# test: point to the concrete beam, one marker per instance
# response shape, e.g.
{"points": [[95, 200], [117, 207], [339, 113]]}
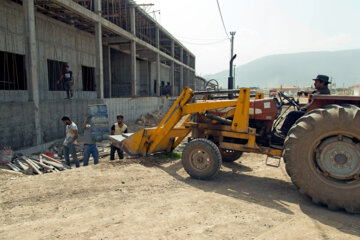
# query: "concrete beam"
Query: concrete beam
{"points": [[99, 73], [123, 47], [89, 15], [31, 65], [172, 70], [150, 56], [115, 40]]}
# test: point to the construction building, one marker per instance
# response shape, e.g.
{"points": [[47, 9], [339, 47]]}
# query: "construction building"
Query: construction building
{"points": [[118, 54]]}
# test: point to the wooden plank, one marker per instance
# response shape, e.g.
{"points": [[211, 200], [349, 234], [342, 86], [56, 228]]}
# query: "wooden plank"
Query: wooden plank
{"points": [[50, 158], [32, 165], [14, 167], [46, 167], [27, 170], [59, 166]]}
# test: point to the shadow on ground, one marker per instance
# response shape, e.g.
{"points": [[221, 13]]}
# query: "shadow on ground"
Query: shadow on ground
{"points": [[269, 192]]}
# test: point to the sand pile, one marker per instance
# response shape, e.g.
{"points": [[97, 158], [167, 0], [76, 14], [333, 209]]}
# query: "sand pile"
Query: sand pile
{"points": [[146, 121]]}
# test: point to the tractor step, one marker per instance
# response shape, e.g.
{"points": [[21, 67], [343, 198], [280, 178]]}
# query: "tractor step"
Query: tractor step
{"points": [[273, 161]]}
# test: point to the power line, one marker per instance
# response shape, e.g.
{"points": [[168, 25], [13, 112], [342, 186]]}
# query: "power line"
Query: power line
{"points": [[200, 39], [205, 43], [222, 19]]}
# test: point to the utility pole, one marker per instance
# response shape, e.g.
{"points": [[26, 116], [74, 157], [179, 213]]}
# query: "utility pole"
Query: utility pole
{"points": [[234, 80], [232, 43], [232, 57]]}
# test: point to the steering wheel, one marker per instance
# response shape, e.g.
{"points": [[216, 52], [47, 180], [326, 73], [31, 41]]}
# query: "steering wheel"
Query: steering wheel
{"points": [[286, 100], [212, 84]]}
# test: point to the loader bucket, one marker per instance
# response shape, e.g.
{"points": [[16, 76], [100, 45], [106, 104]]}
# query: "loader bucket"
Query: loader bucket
{"points": [[138, 143], [165, 137], [129, 143]]}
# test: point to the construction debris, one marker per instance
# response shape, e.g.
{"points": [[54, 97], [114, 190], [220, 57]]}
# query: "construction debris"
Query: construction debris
{"points": [[53, 159], [145, 121], [42, 163]]}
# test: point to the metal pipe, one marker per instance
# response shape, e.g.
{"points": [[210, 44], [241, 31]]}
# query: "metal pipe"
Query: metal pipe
{"points": [[231, 79], [217, 118], [216, 92], [226, 96]]}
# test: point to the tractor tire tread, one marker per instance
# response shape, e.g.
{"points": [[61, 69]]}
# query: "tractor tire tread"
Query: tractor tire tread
{"points": [[301, 137], [215, 152]]}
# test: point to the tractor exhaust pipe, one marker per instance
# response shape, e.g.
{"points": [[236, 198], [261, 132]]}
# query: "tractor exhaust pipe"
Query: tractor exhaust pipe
{"points": [[231, 79]]}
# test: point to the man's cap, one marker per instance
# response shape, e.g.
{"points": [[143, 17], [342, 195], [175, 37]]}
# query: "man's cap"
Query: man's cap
{"points": [[322, 78]]}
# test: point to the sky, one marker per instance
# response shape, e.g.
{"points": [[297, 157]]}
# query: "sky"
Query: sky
{"points": [[263, 27]]}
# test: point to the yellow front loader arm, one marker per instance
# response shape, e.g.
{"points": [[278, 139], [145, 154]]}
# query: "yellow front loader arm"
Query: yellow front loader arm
{"points": [[177, 124], [171, 130]]}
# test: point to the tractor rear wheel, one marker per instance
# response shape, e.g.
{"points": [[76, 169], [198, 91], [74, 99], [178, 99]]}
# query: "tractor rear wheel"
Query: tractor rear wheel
{"points": [[230, 155], [201, 159], [322, 156]]}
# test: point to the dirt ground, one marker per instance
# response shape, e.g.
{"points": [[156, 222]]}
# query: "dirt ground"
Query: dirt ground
{"points": [[154, 198]]}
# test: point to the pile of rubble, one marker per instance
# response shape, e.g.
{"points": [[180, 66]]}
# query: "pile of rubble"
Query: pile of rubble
{"points": [[145, 121], [50, 161], [36, 164], [53, 159]]}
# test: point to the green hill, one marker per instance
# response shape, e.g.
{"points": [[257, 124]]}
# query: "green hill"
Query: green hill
{"points": [[296, 70]]}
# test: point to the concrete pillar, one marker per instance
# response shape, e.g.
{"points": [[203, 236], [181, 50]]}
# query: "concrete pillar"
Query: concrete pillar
{"points": [[158, 68], [150, 85], [172, 70], [107, 70], [99, 70], [188, 73], [181, 70], [31, 65], [133, 68], [133, 52]]}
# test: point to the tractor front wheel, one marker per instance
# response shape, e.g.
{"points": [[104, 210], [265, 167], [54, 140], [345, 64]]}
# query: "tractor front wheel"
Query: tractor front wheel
{"points": [[322, 156], [201, 159], [230, 155]]}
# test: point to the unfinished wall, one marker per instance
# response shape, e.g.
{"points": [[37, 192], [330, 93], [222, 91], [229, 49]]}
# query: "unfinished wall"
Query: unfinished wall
{"points": [[53, 111], [61, 42], [164, 75], [17, 125], [177, 89], [120, 74], [12, 40], [132, 108], [142, 78], [55, 41]]}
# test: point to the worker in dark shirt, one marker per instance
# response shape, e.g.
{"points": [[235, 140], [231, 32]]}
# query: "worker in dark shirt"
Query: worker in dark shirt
{"points": [[167, 89], [117, 128], [321, 85], [68, 79], [89, 143]]}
